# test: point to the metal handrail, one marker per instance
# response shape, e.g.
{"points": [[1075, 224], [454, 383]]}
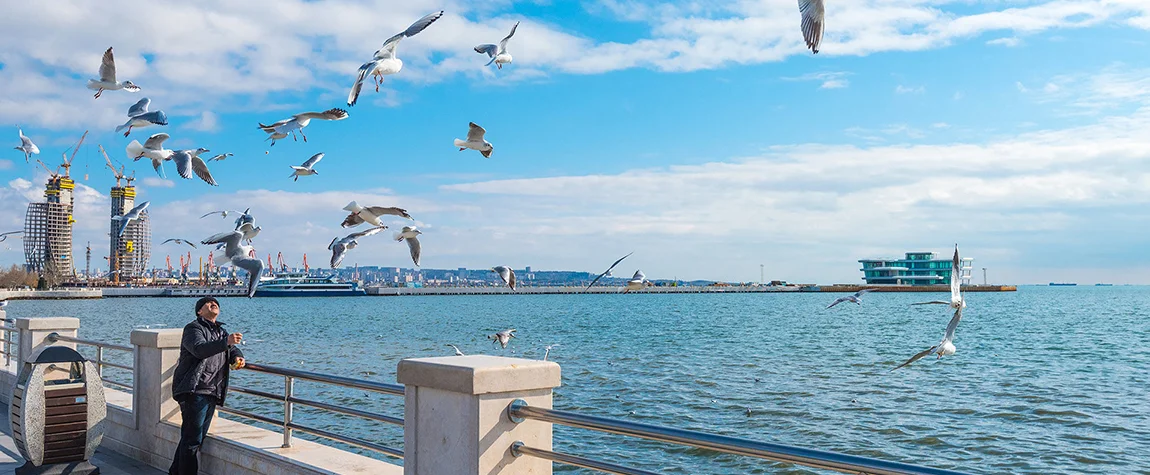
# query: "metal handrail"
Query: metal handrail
{"points": [[8, 329], [100, 346], [289, 400], [518, 411], [519, 450]]}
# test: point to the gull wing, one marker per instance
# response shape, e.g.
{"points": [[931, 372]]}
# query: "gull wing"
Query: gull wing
{"points": [[139, 107], [932, 302], [364, 70], [950, 327], [503, 44], [389, 46], [812, 24], [380, 211], [135, 211], [272, 128], [608, 271], [108, 67], [159, 166], [488, 48], [255, 268], [231, 240], [352, 219], [955, 277], [156, 141], [917, 357], [475, 133], [414, 247], [334, 113], [183, 159], [200, 168], [639, 276], [155, 117], [863, 292], [338, 249], [366, 232], [313, 160], [838, 301]]}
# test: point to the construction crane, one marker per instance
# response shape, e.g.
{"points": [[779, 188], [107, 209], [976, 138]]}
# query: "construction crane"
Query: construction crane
{"points": [[119, 174], [88, 264], [68, 163], [168, 262], [280, 262], [306, 269]]}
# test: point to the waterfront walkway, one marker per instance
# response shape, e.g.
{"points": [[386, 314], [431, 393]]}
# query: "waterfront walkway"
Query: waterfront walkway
{"points": [[110, 463]]}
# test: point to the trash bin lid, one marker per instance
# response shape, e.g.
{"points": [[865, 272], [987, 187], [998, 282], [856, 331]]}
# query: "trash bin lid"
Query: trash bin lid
{"points": [[58, 354]]}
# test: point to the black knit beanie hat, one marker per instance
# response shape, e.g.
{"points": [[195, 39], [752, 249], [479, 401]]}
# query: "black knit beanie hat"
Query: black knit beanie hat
{"points": [[204, 301]]}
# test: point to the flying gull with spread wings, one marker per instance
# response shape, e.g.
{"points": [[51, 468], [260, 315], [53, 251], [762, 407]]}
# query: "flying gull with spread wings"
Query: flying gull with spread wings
{"points": [[189, 162], [409, 234], [944, 347], [370, 214], [384, 62], [107, 81], [608, 271], [475, 141], [132, 215], [26, 146], [339, 247], [851, 298], [498, 54], [506, 275], [956, 300], [307, 168], [153, 148], [241, 256], [281, 129], [139, 116]]}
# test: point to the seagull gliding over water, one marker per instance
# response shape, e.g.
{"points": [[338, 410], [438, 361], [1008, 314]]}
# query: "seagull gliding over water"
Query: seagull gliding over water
{"points": [[944, 347], [851, 298], [956, 300]]}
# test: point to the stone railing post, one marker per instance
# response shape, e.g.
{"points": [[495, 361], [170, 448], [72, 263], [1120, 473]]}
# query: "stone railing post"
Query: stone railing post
{"points": [[34, 334], [156, 355], [455, 414]]}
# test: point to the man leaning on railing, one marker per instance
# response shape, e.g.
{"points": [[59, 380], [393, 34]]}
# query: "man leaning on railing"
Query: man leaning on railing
{"points": [[200, 381]]}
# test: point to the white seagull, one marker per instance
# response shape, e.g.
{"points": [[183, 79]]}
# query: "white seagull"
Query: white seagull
{"points": [[851, 298], [222, 213], [956, 300], [506, 275], [180, 241], [4, 236], [475, 141], [132, 215], [608, 271], [139, 116], [384, 62], [153, 148], [409, 234], [457, 352], [26, 146], [339, 247], [498, 54], [281, 129], [220, 157], [306, 169], [502, 337], [813, 12], [241, 256], [370, 214], [189, 161], [637, 282], [944, 347], [107, 81]]}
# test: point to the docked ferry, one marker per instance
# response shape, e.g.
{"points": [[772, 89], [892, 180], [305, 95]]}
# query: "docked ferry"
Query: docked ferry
{"points": [[303, 285]]}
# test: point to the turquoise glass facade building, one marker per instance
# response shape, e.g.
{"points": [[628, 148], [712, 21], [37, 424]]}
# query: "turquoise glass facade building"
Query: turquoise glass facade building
{"points": [[917, 268]]}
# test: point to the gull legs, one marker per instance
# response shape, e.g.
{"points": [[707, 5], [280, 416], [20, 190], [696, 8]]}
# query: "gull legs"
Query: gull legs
{"points": [[378, 80], [98, 92], [303, 135], [128, 132]]}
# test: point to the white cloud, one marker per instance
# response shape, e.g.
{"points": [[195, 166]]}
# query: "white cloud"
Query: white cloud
{"points": [[900, 89], [235, 56], [208, 122], [1008, 42], [1021, 88], [828, 80], [5, 164], [157, 182], [940, 125]]}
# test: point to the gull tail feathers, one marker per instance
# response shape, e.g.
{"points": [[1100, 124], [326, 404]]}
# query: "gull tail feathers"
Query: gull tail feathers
{"points": [[353, 207], [120, 128], [135, 149], [460, 143]]}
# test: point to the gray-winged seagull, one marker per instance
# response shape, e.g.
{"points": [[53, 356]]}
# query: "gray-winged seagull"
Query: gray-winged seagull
{"points": [[26, 146], [107, 81], [498, 54], [307, 167], [241, 256], [475, 141], [281, 129], [384, 62], [139, 116], [409, 234], [339, 247], [370, 214]]}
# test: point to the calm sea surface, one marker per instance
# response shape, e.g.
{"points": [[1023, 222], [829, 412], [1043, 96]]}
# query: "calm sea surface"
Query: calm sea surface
{"points": [[1045, 380]]}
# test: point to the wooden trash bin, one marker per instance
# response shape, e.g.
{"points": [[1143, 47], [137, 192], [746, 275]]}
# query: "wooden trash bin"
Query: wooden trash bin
{"points": [[57, 413]]}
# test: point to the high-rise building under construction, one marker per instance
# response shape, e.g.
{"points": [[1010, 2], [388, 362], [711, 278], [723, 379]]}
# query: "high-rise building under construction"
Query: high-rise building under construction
{"points": [[129, 252], [48, 230]]}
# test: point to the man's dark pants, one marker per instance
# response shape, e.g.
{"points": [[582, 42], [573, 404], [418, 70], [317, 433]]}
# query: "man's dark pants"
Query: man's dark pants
{"points": [[196, 410]]}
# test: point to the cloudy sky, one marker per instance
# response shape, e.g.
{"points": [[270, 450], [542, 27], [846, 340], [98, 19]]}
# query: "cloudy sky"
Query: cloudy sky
{"points": [[701, 135]]}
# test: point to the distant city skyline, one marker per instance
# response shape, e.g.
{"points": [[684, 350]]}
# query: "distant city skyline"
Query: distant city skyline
{"points": [[705, 138]]}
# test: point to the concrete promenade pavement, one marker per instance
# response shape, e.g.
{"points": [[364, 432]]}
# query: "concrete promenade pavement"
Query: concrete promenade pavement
{"points": [[110, 463]]}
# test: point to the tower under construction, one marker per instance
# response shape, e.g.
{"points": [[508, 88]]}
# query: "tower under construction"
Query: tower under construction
{"points": [[129, 253], [48, 230]]}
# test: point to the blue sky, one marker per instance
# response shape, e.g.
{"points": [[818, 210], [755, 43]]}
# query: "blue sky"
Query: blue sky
{"points": [[703, 136]]}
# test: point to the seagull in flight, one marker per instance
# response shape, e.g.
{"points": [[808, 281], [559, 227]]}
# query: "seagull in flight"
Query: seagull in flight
{"points": [[498, 54], [851, 298], [132, 215], [506, 275], [384, 62], [339, 247], [241, 256], [608, 271], [26, 146], [107, 81], [502, 337], [944, 347], [220, 157], [475, 141], [139, 116], [307, 167], [813, 12], [956, 300], [189, 161], [409, 234], [457, 352], [370, 214], [637, 282], [4, 236], [154, 149], [222, 213], [180, 241], [282, 128]]}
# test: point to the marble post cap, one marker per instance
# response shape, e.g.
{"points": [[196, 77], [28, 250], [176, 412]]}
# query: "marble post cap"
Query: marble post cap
{"points": [[48, 323], [158, 338], [479, 374]]}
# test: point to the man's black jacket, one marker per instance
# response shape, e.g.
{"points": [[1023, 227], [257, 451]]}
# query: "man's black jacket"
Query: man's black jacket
{"points": [[204, 359]]}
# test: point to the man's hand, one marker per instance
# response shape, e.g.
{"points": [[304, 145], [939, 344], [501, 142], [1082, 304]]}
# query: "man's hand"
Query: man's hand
{"points": [[235, 339], [238, 364]]}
